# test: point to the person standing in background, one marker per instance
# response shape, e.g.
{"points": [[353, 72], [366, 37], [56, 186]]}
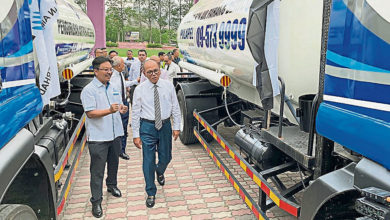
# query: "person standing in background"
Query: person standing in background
{"points": [[161, 55], [129, 60], [98, 52], [118, 82], [171, 67], [176, 56], [136, 70], [112, 54], [105, 54]]}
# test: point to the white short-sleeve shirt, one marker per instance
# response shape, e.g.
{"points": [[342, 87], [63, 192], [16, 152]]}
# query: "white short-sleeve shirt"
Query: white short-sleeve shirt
{"points": [[95, 96]]}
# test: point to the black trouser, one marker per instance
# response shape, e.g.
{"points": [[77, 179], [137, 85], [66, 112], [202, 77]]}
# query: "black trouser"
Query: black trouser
{"points": [[102, 152], [132, 88]]}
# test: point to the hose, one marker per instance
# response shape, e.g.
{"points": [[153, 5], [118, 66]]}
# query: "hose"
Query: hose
{"points": [[65, 101], [227, 110]]}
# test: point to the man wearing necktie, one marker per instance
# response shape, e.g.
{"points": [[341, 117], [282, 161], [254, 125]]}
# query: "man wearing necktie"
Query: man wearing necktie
{"points": [[119, 83], [154, 103]]}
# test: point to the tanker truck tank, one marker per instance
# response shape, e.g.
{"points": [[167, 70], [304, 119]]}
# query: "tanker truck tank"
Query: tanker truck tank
{"points": [[218, 35], [74, 37]]}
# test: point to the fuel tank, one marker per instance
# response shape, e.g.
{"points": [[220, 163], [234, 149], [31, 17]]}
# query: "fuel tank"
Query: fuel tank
{"points": [[214, 35]]}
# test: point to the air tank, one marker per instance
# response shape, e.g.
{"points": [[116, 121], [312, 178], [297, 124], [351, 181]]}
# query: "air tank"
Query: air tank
{"points": [[214, 35]]}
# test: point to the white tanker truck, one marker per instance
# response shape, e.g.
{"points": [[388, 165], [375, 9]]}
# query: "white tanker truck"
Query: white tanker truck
{"points": [[40, 144], [306, 82]]}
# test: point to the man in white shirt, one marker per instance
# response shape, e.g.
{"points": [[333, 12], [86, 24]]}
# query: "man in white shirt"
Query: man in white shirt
{"points": [[118, 82], [136, 70], [154, 103], [171, 67], [102, 104], [129, 60]]}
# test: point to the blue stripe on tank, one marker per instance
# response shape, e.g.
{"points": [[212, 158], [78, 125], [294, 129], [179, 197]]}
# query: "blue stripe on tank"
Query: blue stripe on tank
{"points": [[19, 72], [20, 34], [357, 90], [350, 39], [352, 64], [25, 49]]}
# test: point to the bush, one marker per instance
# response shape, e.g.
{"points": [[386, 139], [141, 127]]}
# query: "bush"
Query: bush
{"points": [[111, 44], [157, 45]]}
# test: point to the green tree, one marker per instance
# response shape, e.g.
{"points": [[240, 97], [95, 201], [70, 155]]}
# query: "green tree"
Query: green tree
{"points": [[138, 15], [161, 21], [150, 13], [119, 10], [112, 26]]}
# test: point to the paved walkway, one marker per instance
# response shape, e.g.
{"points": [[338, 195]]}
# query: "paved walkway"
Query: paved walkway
{"points": [[194, 189]]}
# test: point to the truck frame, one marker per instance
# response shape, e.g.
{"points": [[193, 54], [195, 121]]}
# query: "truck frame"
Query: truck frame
{"points": [[341, 178]]}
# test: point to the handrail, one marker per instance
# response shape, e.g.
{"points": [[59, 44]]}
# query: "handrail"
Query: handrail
{"points": [[282, 91]]}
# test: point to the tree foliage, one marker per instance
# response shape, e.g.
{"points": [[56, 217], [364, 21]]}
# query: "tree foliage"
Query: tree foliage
{"points": [[161, 17]]}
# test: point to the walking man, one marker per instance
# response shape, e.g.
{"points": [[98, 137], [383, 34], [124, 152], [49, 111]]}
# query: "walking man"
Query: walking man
{"points": [[154, 103], [102, 105], [118, 82]]}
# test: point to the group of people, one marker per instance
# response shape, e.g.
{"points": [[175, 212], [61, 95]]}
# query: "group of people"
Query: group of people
{"points": [[146, 85]]}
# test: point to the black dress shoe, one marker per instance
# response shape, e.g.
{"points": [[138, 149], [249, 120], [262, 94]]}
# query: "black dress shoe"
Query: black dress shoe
{"points": [[114, 191], [161, 179], [150, 201], [97, 210], [124, 156]]}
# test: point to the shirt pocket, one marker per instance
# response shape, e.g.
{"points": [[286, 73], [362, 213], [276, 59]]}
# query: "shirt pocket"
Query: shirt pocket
{"points": [[116, 97]]}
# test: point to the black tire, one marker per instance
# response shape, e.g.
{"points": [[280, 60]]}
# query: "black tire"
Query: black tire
{"points": [[16, 212], [188, 121]]}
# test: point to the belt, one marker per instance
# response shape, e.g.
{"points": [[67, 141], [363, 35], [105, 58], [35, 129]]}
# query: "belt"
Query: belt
{"points": [[152, 121]]}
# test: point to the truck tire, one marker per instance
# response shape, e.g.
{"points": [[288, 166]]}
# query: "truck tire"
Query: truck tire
{"points": [[187, 121], [16, 212]]}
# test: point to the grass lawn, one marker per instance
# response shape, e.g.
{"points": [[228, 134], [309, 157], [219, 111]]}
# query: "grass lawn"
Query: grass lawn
{"points": [[123, 51]]}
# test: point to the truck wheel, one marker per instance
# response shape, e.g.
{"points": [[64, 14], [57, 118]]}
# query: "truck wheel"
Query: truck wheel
{"points": [[187, 121], [17, 212]]}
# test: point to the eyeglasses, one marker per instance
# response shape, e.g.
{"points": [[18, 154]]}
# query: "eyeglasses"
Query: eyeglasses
{"points": [[106, 70], [155, 71]]}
